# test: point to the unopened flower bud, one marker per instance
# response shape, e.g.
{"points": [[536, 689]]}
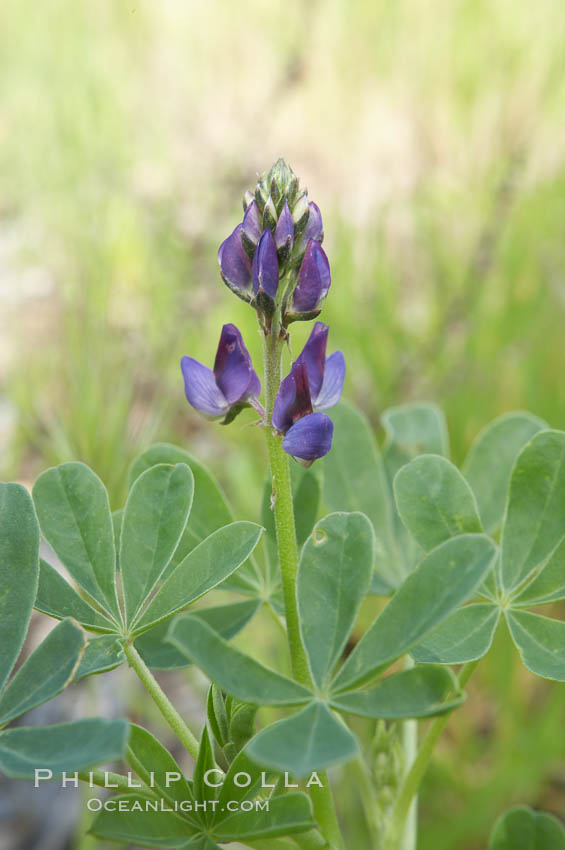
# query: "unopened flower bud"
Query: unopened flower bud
{"points": [[284, 234], [265, 272], [251, 228], [300, 213], [314, 280], [248, 198], [270, 214], [235, 265]]}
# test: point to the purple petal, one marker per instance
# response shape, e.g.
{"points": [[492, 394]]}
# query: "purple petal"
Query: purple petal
{"points": [[252, 222], [314, 228], [282, 408], [314, 279], [310, 437], [201, 389], [265, 269], [332, 385], [285, 228], [233, 370], [293, 398], [235, 265], [313, 355]]}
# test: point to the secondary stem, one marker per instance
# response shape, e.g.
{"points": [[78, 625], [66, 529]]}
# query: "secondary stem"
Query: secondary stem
{"points": [[410, 749], [161, 700], [416, 773]]}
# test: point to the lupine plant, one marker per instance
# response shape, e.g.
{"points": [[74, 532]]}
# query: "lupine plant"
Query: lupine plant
{"points": [[446, 557]]}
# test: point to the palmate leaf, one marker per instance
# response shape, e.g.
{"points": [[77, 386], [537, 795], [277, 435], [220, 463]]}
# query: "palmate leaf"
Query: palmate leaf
{"points": [[523, 829], [541, 643], [142, 827], [234, 672], [44, 673], [489, 463], [446, 578], [19, 569], [418, 692], [355, 480], [57, 598], [465, 636], [210, 510], [308, 741], [536, 506], [74, 515], [155, 517], [434, 501], [204, 567], [287, 815], [65, 747], [333, 579]]}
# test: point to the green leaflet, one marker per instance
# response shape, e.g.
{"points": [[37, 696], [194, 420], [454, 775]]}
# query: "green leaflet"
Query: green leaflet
{"points": [[333, 579], [465, 636], [418, 692], [210, 510], [100, 655], [74, 515], [411, 429], [523, 829], [234, 672], [489, 463], [137, 825], [541, 643], [19, 569], [45, 673], [204, 567], [148, 756], [355, 480], [549, 583], [434, 501], [64, 747], [287, 815], [58, 599], [154, 519], [227, 620], [446, 578], [308, 741], [536, 506]]}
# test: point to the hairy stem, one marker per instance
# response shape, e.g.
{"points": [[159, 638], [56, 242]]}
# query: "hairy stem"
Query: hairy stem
{"points": [[413, 778], [161, 700], [409, 736], [283, 508]]}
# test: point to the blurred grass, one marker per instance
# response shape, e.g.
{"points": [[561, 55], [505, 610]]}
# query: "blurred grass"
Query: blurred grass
{"points": [[432, 135]]}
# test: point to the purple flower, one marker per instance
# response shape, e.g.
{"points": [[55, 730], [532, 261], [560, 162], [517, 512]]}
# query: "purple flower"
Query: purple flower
{"points": [[235, 265], [265, 268], [315, 383], [314, 281], [231, 386]]}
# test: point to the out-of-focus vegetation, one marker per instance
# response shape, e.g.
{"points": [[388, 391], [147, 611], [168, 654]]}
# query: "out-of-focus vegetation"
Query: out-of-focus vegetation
{"points": [[431, 134]]}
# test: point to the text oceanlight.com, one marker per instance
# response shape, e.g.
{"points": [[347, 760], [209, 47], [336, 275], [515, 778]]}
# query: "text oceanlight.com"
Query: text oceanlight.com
{"points": [[114, 804]]}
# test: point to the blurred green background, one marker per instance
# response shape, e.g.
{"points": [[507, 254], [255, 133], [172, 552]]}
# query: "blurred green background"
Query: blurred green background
{"points": [[432, 135]]}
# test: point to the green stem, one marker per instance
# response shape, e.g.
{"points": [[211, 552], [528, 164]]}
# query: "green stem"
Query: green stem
{"points": [[161, 700], [284, 511], [322, 799], [410, 748], [413, 778], [368, 801]]}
